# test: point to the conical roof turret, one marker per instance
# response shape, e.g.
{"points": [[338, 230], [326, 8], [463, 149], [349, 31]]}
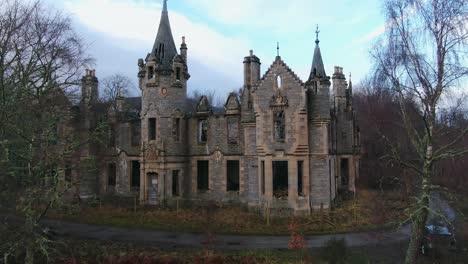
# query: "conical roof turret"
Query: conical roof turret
{"points": [[317, 70], [164, 48]]}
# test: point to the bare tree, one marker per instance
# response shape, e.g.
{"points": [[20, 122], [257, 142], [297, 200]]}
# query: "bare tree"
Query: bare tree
{"points": [[422, 58], [41, 61], [116, 86]]}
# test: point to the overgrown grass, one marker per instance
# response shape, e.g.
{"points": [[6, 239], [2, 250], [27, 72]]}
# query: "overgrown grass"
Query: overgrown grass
{"points": [[83, 251], [370, 210]]}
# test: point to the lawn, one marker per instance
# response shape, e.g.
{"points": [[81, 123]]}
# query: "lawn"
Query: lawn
{"points": [[369, 210]]}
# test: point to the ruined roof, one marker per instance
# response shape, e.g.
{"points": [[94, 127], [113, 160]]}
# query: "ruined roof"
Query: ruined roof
{"points": [[133, 103], [317, 70], [164, 48]]}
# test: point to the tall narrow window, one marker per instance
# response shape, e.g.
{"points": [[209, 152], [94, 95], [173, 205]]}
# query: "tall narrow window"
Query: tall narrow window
{"points": [[233, 130], [300, 173], [232, 173], [111, 142], [152, 129], [262, 177], [278, 82], [202, 175], [111, 174], [176, 129], [203, 131], [135, 133], [135, 179], [150, 72], [279, 126], [68, 172], [178, 73], [175, 183]]}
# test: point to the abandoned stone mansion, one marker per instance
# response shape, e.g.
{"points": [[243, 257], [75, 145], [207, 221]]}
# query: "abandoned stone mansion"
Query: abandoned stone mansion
{"points": [[283, 142]]}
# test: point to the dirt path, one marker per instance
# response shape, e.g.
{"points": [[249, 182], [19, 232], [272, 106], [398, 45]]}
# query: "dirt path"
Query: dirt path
{"points": [[230, 242]]}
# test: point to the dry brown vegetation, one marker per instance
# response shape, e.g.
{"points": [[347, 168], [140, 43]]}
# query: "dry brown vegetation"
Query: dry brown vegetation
{"points": [[369, 210]]}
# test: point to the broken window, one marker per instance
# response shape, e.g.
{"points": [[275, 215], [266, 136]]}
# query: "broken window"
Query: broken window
{"points": [[175, 183], [135, 134], [135, 179], [202, 175], [111, 174], [203, 131], [232, 173], [178, 73], [152, 129], [300, 173], [176, 129], [233, 130], [279, 126], [280, 179]]}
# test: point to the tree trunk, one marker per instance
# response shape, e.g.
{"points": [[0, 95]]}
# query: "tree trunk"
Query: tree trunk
{"points": [[417, 232]]}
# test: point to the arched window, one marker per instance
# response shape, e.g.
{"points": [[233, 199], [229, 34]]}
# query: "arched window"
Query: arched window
{"points": [[278, 82]]}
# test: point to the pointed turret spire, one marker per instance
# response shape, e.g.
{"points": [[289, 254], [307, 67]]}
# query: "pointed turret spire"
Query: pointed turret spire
{"points": [[164, 48], [318, 70]]}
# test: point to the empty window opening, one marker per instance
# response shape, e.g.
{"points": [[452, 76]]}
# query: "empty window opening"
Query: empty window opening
{"points": [[279, 126], [202, 175], [262, 177], [278, 82], [344, 172], [135, 179], [232, 171], [175, 183], [203, 131], [152, 129], [176, 129], [178, 73], [300, 174], [111, 174], [150, 72], [111, 142], [280, 179], [136, 133], [68, 172], [233, 130]]}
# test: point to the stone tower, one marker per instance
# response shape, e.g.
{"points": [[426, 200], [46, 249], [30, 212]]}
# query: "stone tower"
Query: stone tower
{"points": [[346, 133], [318, 104], [163, 79], [87, 170]]}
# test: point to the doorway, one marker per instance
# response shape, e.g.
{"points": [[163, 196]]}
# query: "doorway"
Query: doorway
{"points": [[153, 188], [280, 179]]}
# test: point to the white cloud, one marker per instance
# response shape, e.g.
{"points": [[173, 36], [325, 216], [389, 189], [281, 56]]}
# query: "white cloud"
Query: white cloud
{"points": [[135, 24]]}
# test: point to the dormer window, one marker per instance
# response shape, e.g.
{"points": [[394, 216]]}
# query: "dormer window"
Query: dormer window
{"points": [[203, 131], [178, 73]]}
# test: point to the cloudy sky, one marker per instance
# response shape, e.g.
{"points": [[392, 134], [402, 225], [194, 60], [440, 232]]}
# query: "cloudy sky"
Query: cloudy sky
{"points": [[220, 33]]}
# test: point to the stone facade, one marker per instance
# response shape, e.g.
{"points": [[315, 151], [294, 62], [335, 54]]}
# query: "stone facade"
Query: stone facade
{"points": [[281, 143]]}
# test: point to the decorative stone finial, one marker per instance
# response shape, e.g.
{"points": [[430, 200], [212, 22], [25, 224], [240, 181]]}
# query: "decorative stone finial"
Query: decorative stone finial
{"points": [[277, 49], [317, 31]]}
